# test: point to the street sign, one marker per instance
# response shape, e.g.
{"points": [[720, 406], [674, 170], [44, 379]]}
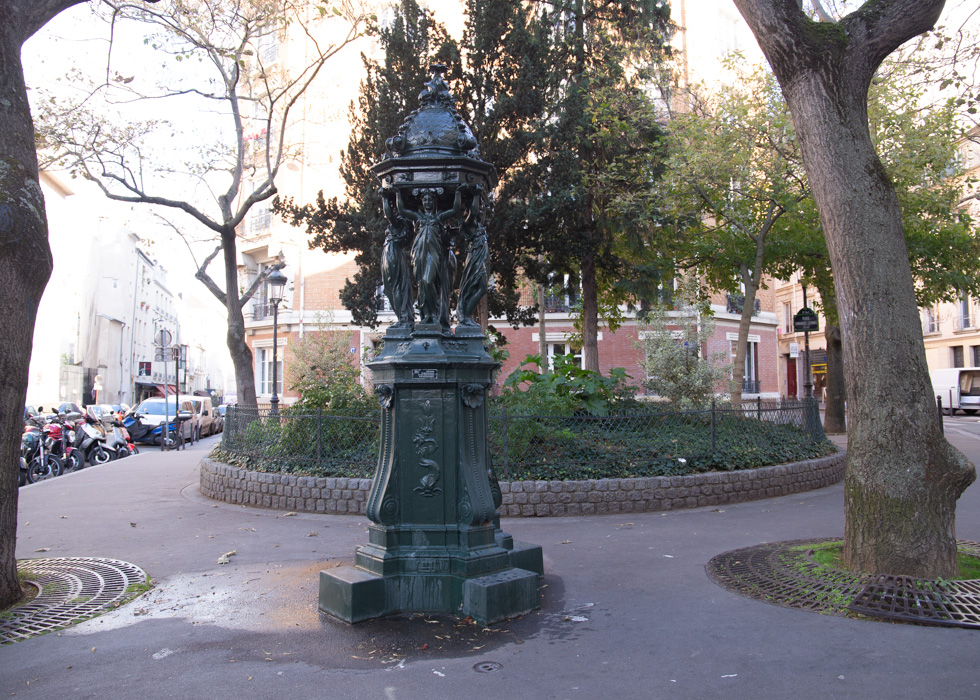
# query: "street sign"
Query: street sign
{"points": [[164, 337], [805, 320]]}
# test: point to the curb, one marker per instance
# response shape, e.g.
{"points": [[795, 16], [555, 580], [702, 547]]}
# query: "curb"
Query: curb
{"points": [[342, 496]]}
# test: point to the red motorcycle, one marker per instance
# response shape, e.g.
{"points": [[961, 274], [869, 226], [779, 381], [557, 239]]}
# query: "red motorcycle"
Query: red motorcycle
{"points": [[59, 439]]}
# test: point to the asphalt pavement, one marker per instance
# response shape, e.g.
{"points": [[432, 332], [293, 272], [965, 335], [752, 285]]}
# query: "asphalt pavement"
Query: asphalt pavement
{"points": [[627, 609]]}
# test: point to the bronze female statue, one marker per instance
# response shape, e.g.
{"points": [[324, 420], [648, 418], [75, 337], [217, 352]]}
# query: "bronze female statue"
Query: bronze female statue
{"points": [[473, 285], [396, 274], [428, 252]]}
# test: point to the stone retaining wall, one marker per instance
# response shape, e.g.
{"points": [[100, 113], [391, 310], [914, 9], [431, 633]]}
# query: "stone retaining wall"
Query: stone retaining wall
{"points": [[533, 498]]}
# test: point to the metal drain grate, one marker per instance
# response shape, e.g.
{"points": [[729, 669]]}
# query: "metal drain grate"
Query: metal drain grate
{"points": [[946, 603], [70, 589], [783, 573]]}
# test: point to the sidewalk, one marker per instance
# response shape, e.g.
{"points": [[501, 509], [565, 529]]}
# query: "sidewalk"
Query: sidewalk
{"points": [[627, 608]]}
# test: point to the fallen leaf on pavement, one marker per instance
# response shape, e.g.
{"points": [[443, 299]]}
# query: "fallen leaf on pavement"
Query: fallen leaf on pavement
{"points": [[224, 558], [43, 549], [292, 512]]}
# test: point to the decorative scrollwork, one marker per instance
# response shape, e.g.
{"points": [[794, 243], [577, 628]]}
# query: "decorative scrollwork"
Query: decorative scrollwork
{"points": [[454, 346], [472, 395], [386, 395], [389, 509], [425, 447]]}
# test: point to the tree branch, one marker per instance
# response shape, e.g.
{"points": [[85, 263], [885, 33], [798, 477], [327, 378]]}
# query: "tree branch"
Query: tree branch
{"points": [[206, 280], [258, 282]]}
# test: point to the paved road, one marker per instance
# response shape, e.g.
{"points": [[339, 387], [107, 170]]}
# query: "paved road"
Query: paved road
{"points": [[627, 608]]}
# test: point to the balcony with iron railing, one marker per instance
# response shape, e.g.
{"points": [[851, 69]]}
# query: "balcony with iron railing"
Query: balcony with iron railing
{"points": [[735, 303], [751, 386], [262, 310], [930, 326], [964, 323]]}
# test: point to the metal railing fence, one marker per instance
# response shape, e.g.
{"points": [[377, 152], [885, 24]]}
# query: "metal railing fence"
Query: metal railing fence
{"points": [[648, 443]]}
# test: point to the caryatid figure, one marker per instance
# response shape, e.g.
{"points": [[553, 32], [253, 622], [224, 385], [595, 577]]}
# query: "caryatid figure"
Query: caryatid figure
{"points": [[396, 273], [428, 251], [473, 285]]}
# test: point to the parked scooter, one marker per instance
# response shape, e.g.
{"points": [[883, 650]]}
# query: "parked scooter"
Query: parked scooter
{"points": [[118, 441], [142, 432], [22, 473], [41, 464], [90, 439]]}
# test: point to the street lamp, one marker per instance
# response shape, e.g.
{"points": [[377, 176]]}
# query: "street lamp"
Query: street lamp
{"points": [[277, 286]]}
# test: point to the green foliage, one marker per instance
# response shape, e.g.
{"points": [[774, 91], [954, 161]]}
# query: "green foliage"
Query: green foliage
{"points": [[637, 445], [566, 390], [672, 339], [327, 374]]}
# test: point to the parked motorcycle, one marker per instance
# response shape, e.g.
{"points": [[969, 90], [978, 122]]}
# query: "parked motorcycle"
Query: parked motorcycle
{"points": [[41, 464], [22, 473], [59, 439]]}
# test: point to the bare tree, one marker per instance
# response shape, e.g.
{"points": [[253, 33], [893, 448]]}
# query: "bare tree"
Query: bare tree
{"points": [[233, 80], [903, 478]]}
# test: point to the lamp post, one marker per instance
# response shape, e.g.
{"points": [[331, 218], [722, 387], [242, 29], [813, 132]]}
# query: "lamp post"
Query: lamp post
{"points": [[277, 286]]}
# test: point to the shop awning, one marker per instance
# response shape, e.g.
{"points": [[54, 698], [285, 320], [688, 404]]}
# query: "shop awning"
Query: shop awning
{"points": [[165, 390]]}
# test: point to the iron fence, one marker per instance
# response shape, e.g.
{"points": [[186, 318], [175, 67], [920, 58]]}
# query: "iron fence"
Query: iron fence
{"points": [[648, 443]]}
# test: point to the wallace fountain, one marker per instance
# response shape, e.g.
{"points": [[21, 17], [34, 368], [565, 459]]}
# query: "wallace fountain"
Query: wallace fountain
{"points": [[435, 541]]}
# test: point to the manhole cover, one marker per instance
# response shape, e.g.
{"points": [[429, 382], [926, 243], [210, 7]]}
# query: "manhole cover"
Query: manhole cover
{"points": [[487, 667], [70, 589]]}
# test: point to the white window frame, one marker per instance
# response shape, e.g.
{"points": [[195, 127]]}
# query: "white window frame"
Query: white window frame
{"points": [[263, 367]]}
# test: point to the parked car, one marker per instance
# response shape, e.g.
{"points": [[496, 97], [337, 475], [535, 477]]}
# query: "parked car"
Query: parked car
{"points": [[219, 417], [204, 415], [153, 412]]}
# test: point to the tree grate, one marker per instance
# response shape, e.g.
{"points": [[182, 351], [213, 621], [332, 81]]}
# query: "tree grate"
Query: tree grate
{"points": [[70, 589], [785, 574]]}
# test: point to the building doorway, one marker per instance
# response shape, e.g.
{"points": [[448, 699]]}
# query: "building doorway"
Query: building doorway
{"points": [[791, 387]]}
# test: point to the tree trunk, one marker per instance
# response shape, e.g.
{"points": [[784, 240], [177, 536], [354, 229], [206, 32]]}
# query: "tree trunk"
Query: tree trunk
{"points": [[835, 418], [590, 314], [241, 356], [542, 332], [25, 266], [902, 477]]}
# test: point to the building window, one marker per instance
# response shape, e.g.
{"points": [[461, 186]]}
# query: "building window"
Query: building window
{"points": [[557, 349], [268, 45], [975, 355], [787, 318], [957, 355], [750, 376], [964, 315], [264, 357], [930, 324]]}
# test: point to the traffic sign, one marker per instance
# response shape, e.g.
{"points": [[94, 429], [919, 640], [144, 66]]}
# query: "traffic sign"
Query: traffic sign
{"points": [[164, 337], [805, 320]]}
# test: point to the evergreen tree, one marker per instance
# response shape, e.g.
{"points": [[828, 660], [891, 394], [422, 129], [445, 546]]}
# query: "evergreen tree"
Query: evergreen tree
{"points": [[603, 55], [412, 41]]}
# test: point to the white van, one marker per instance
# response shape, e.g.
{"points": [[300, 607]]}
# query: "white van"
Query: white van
{"points": [[958, 387], [204, 411]]}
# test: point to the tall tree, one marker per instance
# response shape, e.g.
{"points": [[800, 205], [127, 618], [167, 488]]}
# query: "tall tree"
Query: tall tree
{"points": [[603, 54], [412, 40], [230, 43], [903, 478], [25, 259], [734, 163]]}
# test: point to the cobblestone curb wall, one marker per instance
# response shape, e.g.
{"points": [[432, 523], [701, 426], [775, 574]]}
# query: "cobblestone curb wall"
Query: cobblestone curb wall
{"points": [[533, 498]]}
